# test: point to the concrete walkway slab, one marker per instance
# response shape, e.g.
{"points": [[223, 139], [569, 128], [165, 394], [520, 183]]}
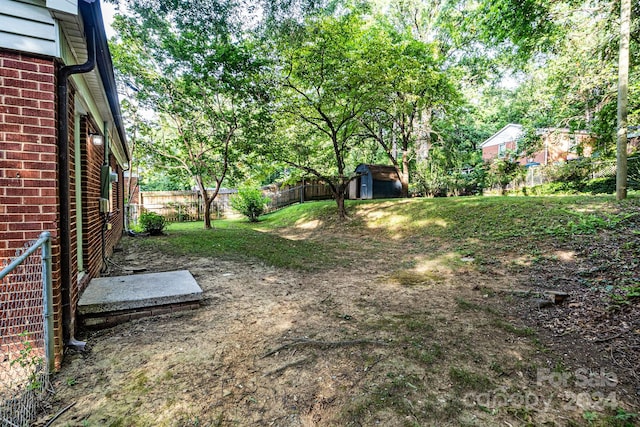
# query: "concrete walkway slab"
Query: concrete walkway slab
{"points": [[139, 291]]}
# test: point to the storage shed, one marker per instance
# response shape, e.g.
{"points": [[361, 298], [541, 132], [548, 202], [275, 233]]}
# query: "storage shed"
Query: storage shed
{"points": [[375, 182]]}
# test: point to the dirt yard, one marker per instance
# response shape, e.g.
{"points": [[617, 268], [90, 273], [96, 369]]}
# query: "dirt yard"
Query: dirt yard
{"points": [[408, 337]]}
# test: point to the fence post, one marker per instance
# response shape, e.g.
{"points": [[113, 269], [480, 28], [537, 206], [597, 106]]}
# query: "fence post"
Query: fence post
{"points": [[49, 339]]}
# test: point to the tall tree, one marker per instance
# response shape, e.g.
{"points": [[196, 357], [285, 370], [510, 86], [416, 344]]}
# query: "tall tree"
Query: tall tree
{"points": [[322, 95], [518, 28], [410, 86], [193, 66], [623, 93]]}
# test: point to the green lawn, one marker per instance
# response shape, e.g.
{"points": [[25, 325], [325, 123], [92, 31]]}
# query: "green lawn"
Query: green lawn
{"points": [[412, 312], [477, 226]]}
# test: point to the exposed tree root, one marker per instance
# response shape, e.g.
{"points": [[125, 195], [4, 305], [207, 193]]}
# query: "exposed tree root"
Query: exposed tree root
{"points": [[322, 344], [288, 365]]}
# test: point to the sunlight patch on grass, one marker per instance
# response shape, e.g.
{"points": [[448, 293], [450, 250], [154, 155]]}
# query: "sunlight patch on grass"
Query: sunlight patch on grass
{"points": [[413, 278], [309, 225], [439, 264], [400, 226], [376, 218], [565, 256], [438, 222]]}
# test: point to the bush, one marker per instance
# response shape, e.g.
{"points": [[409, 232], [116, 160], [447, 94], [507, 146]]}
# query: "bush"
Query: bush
{"points": [[250, 202], [606, 185], [553, 188], [504, 171], [577, 171], [152, 223]]}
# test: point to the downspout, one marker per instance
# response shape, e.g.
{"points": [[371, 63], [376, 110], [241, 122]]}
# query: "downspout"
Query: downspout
{"points": [[68, 318], [105, 215]]}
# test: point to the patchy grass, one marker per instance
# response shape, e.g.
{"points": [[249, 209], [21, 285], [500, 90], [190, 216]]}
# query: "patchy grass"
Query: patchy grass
{"points": [[233, 239], [469, 226], [465, 380], [426, 281]]}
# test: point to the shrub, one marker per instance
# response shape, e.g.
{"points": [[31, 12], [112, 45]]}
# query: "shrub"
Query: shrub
{"points": [[553, 188], [250, 202], [504, 171], [605, 185], [576, 171], [152, 223]]}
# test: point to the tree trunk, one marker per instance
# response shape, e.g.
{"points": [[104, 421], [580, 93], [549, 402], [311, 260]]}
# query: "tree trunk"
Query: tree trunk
{"points": [[404, 176], [623, 89], [207, 211], [339, 196], [342, 212]]}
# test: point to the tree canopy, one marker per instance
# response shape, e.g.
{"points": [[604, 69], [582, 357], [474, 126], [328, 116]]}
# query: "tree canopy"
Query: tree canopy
{"points": [[243, 90]]}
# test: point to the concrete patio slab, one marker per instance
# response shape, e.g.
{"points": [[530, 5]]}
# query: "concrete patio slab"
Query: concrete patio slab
{"points": [[138, 292]]}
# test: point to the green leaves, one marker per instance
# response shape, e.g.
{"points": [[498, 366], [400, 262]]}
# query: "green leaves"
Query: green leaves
{"points": [[191, 63], [523, 27], [250, 202]]}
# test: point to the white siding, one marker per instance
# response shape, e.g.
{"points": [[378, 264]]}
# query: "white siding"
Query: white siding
{"points": [[510, 132], [65, 6], [28, 27]]}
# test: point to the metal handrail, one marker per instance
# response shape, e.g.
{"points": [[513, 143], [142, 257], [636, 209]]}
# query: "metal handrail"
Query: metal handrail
{"points": [[43, 241]]}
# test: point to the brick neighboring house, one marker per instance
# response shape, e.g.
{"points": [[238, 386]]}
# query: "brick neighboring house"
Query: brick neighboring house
{"points": [[62, 143], [558, 145]]}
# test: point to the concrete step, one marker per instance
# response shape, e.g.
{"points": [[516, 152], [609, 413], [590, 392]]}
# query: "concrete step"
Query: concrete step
{"points": [[111, 300]]}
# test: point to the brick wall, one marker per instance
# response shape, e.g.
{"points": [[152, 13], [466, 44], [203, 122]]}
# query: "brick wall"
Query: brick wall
{"points": [[92, 159], [93, 221], [116, 218], [29, 200], [491, 152], [73, 158], [28, 160]]}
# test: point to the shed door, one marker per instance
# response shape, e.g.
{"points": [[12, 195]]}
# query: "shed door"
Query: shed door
{"points": [[366, 186]]}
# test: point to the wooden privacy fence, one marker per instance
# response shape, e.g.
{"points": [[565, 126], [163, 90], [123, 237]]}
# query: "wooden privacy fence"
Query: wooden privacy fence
{"points": [[182, 206], [279, 197]]}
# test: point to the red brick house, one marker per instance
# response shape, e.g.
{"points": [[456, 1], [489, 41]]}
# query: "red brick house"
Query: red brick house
{"points": [[506, 139], [557, 145], [62, 143]]}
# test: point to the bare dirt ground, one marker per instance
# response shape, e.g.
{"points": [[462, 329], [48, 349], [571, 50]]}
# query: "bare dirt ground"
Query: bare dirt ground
{"points": [[440, 343]]}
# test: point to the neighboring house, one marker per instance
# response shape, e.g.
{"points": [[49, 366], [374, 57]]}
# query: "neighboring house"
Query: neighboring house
{"points": [[375, 182], [62, 143], [506, 139], [557, 145]]}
